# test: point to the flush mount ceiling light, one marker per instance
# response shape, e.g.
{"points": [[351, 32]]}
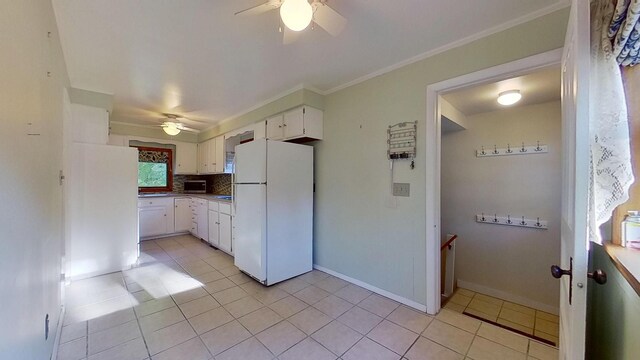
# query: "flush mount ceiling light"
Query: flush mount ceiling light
{"points": [[171, 128], [296, 14], [509, 97]]}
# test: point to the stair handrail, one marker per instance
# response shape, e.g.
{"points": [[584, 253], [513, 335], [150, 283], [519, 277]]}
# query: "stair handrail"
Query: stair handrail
{"points": [[448, 243]]}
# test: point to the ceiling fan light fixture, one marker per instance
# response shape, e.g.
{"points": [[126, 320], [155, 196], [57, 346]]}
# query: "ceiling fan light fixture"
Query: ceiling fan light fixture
{"points": [[171, 128], [296, 14], [509, 97]]}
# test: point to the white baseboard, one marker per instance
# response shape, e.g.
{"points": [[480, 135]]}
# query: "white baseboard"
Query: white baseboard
{"points": [[376, 290], [56, 341], [508, 296]]}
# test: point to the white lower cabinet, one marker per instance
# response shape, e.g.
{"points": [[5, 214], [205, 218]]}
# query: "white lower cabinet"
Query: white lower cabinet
{"points": [[153, 221], [220, 226], [202, 219], [214, 229], [225, 233], [156, 217], [182, 214]]}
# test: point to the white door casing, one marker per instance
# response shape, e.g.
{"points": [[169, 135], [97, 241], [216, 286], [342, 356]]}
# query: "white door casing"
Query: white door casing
{"points": [[432, 158], [575, 177]]}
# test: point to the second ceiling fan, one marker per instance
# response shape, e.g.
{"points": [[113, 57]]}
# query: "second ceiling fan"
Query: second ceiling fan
{"points": [[298, 14]]}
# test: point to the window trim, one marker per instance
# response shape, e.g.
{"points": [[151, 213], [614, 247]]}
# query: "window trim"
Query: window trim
{"points": [[169, 163]]}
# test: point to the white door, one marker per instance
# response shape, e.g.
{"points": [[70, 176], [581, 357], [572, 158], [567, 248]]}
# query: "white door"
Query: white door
{"points": [[186, 158], [250, 230], [294, 123], [575, 177], [219, 145], [153, 221], [203, 220], [182, 214], [214, 226], [211, 156], [203, 152], [225, 233], [274, 128]]}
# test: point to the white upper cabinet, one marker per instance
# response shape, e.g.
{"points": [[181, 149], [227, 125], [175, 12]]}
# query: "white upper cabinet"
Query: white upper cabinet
{"points": [[219, 154], [203, 155], [186, 158], [259, 130], [211, 156], [90, 124], [274, 127], [302, 122]]}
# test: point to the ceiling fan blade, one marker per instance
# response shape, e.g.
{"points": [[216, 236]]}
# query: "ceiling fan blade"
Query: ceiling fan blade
{"points": [[289, 36], [262, 8], [185, 128], [328, 19]]}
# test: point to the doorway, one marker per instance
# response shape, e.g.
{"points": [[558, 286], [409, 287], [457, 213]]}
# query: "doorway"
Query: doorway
{"points": [[434, 127], [500, 198]]}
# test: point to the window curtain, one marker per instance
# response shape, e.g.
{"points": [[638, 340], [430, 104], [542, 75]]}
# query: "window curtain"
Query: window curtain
{"points": [[614, 41]]}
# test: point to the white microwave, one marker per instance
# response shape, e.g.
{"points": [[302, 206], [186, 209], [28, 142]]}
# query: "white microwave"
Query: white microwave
{"points": [[195, 186]]}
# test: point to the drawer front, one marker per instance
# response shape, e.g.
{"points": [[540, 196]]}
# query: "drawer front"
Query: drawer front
{"points": [[154, 202], [213, 205], [225, 208]]}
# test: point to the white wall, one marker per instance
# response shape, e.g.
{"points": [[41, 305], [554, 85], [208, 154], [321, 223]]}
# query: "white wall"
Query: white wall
{"points": [[511, 260], [355, 233], [30, 195]]}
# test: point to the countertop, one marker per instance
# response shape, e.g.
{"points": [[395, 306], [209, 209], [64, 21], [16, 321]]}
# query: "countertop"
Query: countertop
{"points": [[220, 198]]}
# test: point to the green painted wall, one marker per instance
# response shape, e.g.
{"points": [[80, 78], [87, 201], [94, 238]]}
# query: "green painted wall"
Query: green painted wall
{"points": [[613, 314], [357, 230]]}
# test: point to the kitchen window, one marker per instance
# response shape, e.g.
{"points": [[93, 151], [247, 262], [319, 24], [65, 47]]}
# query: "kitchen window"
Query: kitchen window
{"points": [[155, 169]]}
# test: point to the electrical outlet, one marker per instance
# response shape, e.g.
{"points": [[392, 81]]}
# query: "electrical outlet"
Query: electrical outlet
{"points": [[401, 189]]}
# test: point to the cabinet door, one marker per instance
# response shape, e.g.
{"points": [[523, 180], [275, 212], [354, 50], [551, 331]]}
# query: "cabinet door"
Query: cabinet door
{"points": [[183, 215], [220, 155], [203, 152], [203, 220], [274, 128], [153, 221], [186, 158], [225, 233], [294, 123], [260, 130], [212, 164], [214, 226]]}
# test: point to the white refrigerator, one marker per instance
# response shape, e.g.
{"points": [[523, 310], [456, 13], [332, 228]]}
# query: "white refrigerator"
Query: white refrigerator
{"points": [[102, 210], [273, 225]]}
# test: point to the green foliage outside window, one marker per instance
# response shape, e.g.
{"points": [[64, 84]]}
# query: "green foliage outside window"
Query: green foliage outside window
{"points": [[152, 174]]}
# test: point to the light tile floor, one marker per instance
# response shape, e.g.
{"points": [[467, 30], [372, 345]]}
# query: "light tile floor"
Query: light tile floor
{"points": [[186, 300], [522, 318]]}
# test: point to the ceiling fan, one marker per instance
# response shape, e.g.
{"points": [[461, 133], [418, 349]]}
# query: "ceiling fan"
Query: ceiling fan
{"points": [[172, 125], [298, 14]]}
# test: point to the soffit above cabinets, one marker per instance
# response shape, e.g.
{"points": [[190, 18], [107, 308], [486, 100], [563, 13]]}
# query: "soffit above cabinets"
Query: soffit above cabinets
{"points": [[195, 58]]}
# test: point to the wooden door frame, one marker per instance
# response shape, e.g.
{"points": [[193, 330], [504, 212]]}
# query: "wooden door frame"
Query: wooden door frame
{"points": [[433, 151]]}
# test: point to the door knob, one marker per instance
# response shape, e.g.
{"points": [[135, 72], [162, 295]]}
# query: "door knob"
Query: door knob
{"points": [[599, 276], [557, 272]]}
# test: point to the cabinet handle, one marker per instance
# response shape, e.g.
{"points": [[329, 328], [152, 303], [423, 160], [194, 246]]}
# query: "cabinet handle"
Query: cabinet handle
{"points": [[284, 124]]}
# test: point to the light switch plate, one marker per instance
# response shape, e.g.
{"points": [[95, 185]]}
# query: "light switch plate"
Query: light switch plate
{"points": [[401, 189]]}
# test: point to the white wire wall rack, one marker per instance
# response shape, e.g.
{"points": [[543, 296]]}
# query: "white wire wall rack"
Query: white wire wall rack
{"points": [[401, 139], [510, 220], [512, 150]]}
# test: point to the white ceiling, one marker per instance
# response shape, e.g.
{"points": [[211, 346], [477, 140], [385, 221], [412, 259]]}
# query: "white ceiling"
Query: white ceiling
{"points": [[194, 57], [536, 88]]}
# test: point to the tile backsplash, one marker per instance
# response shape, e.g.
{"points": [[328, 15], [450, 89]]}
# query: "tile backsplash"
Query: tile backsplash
{"points": [[216, 184]]}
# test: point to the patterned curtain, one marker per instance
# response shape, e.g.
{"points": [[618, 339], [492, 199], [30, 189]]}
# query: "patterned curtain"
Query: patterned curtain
{"points": [[624, 32], [611, 173], [153, 156]]}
